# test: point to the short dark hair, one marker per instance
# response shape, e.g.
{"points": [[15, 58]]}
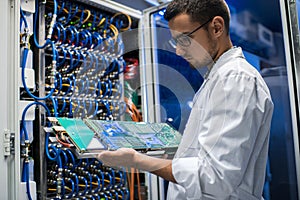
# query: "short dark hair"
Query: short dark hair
{"points": [[199, 10]]}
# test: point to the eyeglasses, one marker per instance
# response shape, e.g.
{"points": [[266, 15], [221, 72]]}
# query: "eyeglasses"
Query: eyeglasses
{"points": [[184, 40]]}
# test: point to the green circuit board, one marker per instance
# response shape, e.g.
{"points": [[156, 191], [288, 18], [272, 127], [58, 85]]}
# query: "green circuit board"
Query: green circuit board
{"points": [[137, 135], [92, 135], [78, 131]]}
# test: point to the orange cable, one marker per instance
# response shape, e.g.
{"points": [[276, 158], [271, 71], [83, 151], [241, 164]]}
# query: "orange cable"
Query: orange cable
{"points": [[138, 184], [132, 184]]}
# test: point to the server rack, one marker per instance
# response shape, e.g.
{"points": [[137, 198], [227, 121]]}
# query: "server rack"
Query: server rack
{"points": [[39, 68], [86, 71]]}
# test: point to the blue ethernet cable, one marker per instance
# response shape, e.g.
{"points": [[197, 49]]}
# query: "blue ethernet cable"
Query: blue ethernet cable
{"points": [[64, 164], [64, 104], [98, 196], [124, 177], [70, 68], [94, 19], [60, 63], [96, 108], [109, 186], [92, 197], [70, 115], [113, 176], [82, 86], [114, 107], [54, 106], [85, 38], [86, 185], [73, 84], [77, 106], [23, 127], [103, 64], [106, 24], [105, 196], [106, 89], [90, 107], [70, 89], [99, 183], [63, 30], [110, 67], [110, 44], [25, 171], [78, 58], [84, 110], [48, 41], [81, 17], [74, 40], [62, 188], [26, 165], [127, 193], [90, 177], [119, 185], [23, 66], [96, 65], [58, 33], [123, 194], [87, 86], [93, 83], [98, 87], [70, 195], [47, 150], [116, 194], [110, 87], [57, 158], [119, 63], [61, 8], [100, 174], [108, 112], [72, 158], [90, 65], [76, 184], [70, 29], [83, 68], [110, 195], [98, 39], [23, 19], [70, 15]]}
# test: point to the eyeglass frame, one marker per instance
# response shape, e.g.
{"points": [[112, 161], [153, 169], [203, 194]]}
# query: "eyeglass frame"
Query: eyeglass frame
{"points": [[174, 41]]}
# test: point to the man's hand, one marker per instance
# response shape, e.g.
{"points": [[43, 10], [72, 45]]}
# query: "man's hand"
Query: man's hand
{"points": [[129, 158], [123, 157]]}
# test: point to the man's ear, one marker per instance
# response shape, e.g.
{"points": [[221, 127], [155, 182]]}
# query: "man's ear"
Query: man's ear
{"points": [[218, 25]]}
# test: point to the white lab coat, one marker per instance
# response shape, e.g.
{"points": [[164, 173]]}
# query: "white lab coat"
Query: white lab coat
{"points": [[224, 147]]}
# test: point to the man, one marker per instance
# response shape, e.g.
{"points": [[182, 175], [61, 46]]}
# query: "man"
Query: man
{"points": [[224, 147]]}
